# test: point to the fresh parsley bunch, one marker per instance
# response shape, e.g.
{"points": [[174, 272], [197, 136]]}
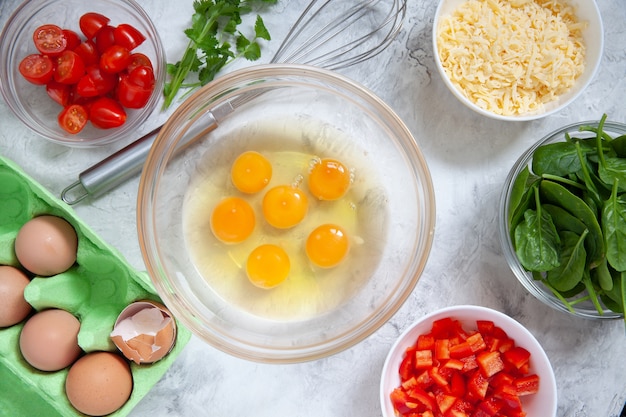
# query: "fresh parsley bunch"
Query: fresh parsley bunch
{"points": [[214, 41]]}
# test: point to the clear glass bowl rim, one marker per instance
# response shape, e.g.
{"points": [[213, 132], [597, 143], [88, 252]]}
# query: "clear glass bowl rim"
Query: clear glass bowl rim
{"points": [[162, 150]]}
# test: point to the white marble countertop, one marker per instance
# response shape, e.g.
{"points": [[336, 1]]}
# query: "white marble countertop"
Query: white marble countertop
{"points": [[469, 157]]}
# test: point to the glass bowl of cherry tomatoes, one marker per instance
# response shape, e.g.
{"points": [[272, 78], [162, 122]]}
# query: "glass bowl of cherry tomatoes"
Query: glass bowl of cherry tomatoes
{"points": [[81, 73]]}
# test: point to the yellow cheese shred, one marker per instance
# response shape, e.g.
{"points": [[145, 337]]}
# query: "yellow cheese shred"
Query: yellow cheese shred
{"points": [[511, 57]]}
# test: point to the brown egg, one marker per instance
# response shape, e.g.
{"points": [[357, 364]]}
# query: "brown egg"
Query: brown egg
{"points": [[99, 383], [13, 307], [144, 332], [49, 340], [46, 245]]}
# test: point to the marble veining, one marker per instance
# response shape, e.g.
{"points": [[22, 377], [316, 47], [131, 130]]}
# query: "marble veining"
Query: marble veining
{"points": [[469, 157]]}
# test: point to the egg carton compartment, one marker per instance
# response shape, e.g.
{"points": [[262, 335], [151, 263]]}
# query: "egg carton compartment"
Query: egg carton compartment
{"points": [[95, 289]]}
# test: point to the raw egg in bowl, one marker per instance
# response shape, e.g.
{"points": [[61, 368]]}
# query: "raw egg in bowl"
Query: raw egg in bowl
{"points": [[285, 213]]}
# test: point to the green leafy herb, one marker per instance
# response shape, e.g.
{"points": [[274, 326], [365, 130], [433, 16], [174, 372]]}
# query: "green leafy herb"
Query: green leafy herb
{"points": [[214, 41], [576, 189]]}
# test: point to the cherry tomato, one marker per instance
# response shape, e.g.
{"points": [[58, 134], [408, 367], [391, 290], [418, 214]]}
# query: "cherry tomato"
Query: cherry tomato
{"points": [[73, 38], [37, 69], [69, 68], [61, 93], [73, 118], [128, 36], [105, 39], [91, 23], [49, 40], [88, 52], [115, 59], [131, 95], [95, 82], [106, 113], [143, 76], [138, 59]]}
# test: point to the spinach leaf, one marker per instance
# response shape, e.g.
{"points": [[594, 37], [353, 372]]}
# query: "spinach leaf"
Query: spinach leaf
{"points": [[536, 240], [614, 228], [560, 158], [558, 195], [572, 259]]}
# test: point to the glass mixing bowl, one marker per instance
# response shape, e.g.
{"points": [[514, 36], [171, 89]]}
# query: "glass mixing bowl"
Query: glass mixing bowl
{"points": [[294, 114], [31, 104]]}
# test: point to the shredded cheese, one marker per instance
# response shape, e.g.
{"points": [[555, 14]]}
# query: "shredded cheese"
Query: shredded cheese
{"points": [[511, 57]]}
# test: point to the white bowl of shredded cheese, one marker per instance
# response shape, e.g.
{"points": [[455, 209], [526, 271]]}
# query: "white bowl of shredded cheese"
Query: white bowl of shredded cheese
{"points": [[517, 59]]}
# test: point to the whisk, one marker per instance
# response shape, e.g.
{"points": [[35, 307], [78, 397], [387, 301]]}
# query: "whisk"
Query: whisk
{"points": [[331, 34]]}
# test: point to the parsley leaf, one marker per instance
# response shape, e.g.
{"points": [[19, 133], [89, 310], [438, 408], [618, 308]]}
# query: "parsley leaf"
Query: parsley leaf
{"points": [[214, 41]]}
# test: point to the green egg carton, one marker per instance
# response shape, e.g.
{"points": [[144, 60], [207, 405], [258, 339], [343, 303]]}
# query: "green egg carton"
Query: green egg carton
{"points": [[96, 289]]}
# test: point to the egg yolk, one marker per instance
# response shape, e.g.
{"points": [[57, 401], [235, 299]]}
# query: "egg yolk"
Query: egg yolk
{"points": [[267, 266], [327, 245], [250, 172], [232, 220], [329, 179], [284, 206]]}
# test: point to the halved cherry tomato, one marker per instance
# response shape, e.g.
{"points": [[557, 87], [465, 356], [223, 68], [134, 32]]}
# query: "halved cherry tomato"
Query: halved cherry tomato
{"points": [[37, 69], [106, 113], [142, 76], [115, 59], [49, 40], [88, 53], [105, 38], [69, 68], [138, 59], [73, 38], [132, 95], [95, 82], [128, 36], [61, 93], [90, 23], [73, 118]]}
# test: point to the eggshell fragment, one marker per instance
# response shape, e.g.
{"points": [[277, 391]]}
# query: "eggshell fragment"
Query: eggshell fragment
{"points": [[49, 340], [46, 245], [144, 332], [99, 383], [13, 307]]}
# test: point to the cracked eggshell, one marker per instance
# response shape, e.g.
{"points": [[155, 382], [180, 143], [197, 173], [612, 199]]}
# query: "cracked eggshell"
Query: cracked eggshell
{"points": [[144, 332]]}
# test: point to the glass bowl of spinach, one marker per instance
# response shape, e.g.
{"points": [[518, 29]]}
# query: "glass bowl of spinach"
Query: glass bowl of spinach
{"points": [[563, 219]]}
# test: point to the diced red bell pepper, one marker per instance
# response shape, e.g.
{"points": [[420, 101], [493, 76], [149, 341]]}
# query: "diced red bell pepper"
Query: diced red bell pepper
{"points": [[454, 364], [490, 406], [401, 401], [424, 380], [437, 376], [476, 343], [527, 385], [421, 397], [442, 349], [477, 386], [445, 402], [425, 342], [408, 364], [469, 363], [516, 356], [457, 385], [502, 378], [444, 328], [460, 350], [485, 327], [490, 363], [423, 359], [509, 397]]}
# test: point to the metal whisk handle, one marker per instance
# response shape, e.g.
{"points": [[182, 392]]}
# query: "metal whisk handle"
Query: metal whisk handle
{"points": [[112, 171]]}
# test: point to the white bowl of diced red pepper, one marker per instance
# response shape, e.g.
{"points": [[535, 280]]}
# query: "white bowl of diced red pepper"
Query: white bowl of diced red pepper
{"points": [[467, 361], [81, 73]]}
